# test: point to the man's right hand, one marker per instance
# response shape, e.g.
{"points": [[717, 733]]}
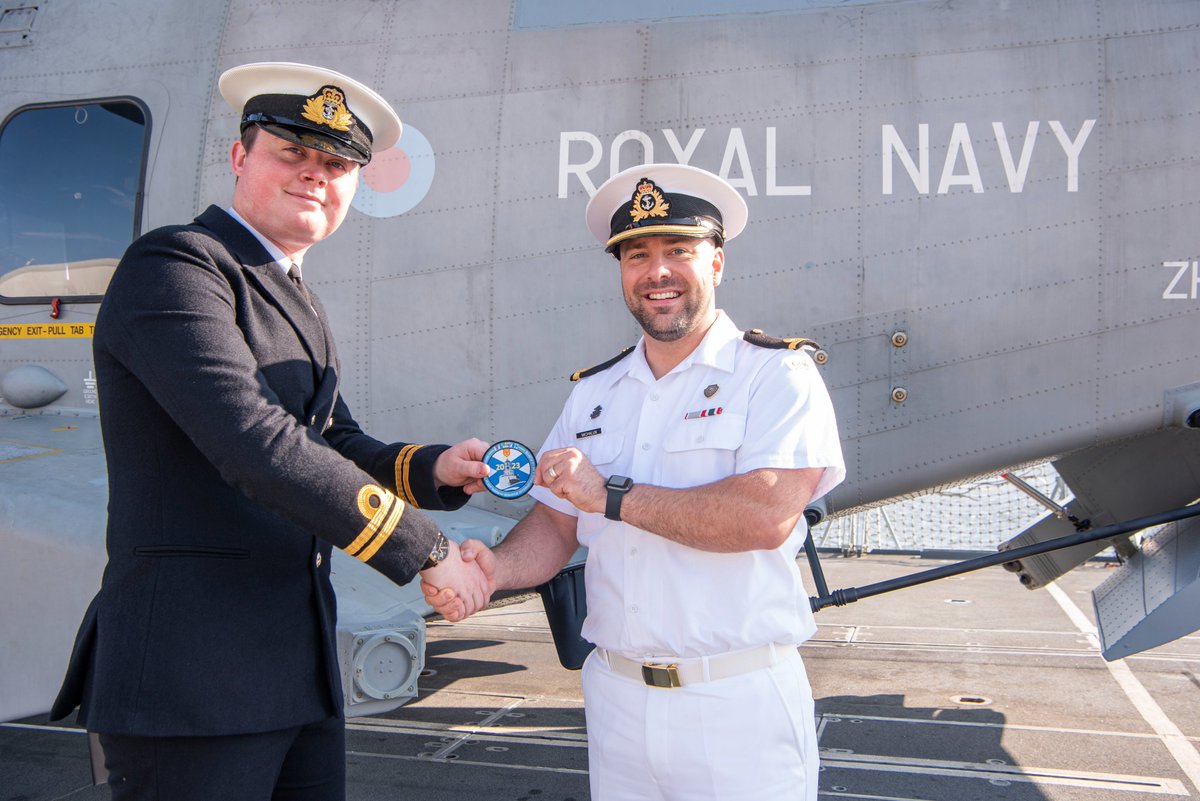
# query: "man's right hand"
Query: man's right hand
{"points": [[457, 588]]}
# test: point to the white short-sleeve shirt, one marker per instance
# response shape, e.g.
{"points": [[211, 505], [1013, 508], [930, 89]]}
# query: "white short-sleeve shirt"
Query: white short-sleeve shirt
{"points": [[730, 407]]}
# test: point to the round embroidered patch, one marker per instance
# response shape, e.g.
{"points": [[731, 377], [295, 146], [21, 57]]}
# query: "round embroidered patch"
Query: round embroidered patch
{"points": [[512, 465]]}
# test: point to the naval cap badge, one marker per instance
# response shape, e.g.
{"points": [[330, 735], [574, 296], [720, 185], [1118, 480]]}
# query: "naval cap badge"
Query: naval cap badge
{"points": [[328, 107], [648, 201]]}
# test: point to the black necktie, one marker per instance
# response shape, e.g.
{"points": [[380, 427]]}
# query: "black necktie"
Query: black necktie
{"points": [[294, 274]]}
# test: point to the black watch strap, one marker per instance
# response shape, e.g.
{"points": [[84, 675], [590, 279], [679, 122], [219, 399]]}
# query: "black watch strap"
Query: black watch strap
{"points": [[617, 486]]}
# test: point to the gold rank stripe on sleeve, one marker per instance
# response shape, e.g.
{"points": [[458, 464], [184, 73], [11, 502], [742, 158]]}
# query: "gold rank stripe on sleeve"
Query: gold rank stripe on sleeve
{"points": [[403, 464], [383, 510]]}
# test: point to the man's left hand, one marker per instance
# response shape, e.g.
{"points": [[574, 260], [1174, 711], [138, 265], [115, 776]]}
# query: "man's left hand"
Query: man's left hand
{"points": [[462, 465], [571, 476]]}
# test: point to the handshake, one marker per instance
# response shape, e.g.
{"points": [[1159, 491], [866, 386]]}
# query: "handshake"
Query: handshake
{"points": [[463, 582], [536, 548]]}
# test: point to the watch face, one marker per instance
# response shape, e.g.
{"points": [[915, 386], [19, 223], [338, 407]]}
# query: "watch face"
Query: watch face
{"points": [[619, 482], [441, 549]]}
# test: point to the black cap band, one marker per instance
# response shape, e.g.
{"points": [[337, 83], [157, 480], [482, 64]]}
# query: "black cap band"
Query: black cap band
{"points": [[652, 212], [321, 121]]}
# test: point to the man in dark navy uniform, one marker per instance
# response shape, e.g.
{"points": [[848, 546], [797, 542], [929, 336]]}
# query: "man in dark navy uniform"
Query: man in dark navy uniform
{"points": [[207, 662]]}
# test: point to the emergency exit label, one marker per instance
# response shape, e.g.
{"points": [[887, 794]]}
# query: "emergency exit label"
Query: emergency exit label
{"points": [[47, 331]]}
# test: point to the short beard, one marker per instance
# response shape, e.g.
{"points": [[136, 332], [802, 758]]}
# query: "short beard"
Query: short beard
{"points": [[682, 324]]}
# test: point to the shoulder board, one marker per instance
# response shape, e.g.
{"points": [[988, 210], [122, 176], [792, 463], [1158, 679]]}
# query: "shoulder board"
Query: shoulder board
{"points": [[578, 374], [755, 336]]}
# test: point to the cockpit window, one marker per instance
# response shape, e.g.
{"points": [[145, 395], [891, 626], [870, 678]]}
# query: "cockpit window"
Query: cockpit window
{"points": [[71, 204]]}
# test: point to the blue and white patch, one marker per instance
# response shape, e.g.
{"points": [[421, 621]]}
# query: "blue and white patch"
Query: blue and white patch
{"points": [[512, 465]]}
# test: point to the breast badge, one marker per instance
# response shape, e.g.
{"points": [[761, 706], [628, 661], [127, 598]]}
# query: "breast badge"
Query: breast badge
{"points": [[512, 465]]}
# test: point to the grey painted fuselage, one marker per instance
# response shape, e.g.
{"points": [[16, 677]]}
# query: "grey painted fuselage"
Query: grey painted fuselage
{"points": [[983, 212]]}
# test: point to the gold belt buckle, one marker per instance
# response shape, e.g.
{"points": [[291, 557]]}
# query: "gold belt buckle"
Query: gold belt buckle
{"points": [[660, 675]]}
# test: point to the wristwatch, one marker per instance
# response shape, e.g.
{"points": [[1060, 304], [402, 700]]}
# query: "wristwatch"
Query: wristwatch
{"points": [[441, 549], [617, 486]]}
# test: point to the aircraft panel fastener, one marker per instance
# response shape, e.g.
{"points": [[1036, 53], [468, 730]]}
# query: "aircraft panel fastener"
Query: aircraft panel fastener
{"points": [[900, 339], [899, 394], [820, 357]]}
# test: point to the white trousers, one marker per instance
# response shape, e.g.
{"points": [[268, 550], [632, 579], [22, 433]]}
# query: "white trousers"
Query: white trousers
{"points": [[747, 737]]}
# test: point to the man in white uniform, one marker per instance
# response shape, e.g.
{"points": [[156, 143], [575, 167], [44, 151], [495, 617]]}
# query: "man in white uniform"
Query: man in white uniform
{"points": [[685, 466]]}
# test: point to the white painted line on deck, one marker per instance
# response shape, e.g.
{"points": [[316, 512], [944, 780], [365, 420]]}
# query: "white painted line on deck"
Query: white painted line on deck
{"points": [[490, 719], [1172, 737], [471, 762], [859, 796], [834, 717], [862, 797], [42, 727], [1004, 773], [527, 735]]}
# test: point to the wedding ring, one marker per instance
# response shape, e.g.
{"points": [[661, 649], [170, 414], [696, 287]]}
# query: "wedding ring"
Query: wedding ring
{"points": [[553, 473]]}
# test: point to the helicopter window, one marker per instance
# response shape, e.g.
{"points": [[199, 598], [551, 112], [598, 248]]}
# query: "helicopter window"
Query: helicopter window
{"points": [[73, 175]]}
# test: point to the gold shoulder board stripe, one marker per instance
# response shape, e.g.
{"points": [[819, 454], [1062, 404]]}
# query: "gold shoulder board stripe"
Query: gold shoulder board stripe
{"points": [[578, 374], [755, 336]]}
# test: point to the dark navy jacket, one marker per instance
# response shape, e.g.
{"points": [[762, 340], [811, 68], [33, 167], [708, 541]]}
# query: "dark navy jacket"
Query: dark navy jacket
{"points": [[233, 467]]}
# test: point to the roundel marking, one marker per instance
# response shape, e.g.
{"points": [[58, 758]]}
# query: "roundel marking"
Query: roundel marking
{"points": [[397, 179]]}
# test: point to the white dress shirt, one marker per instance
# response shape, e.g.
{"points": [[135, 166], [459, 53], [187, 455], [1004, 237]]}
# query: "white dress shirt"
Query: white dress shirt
{"points": [[730, 407], [274, 250]]}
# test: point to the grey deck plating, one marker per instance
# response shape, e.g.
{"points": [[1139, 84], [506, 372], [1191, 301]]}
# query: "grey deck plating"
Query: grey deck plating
{"points": [[968, 688]]}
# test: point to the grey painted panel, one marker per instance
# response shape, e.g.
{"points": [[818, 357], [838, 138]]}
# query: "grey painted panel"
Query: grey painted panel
{"points": [[1139, 362], [424, 419], [1152, 143], [156, 25], [781, 43], [1025, 376], [1143, 247], [1052, 314], [722, 98], [510, 418], [570, 282], [428, 242], [893, 459], [1123, 18], [1048, 275], [575, 58], [1160, 54], [547, 13], [562, 340], [439, 67], [428, 367], [431, 303], [535, 118], [790, 299], [250, 26], [933, 27], [999, 271], [416, 19], [1002, 77]]}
